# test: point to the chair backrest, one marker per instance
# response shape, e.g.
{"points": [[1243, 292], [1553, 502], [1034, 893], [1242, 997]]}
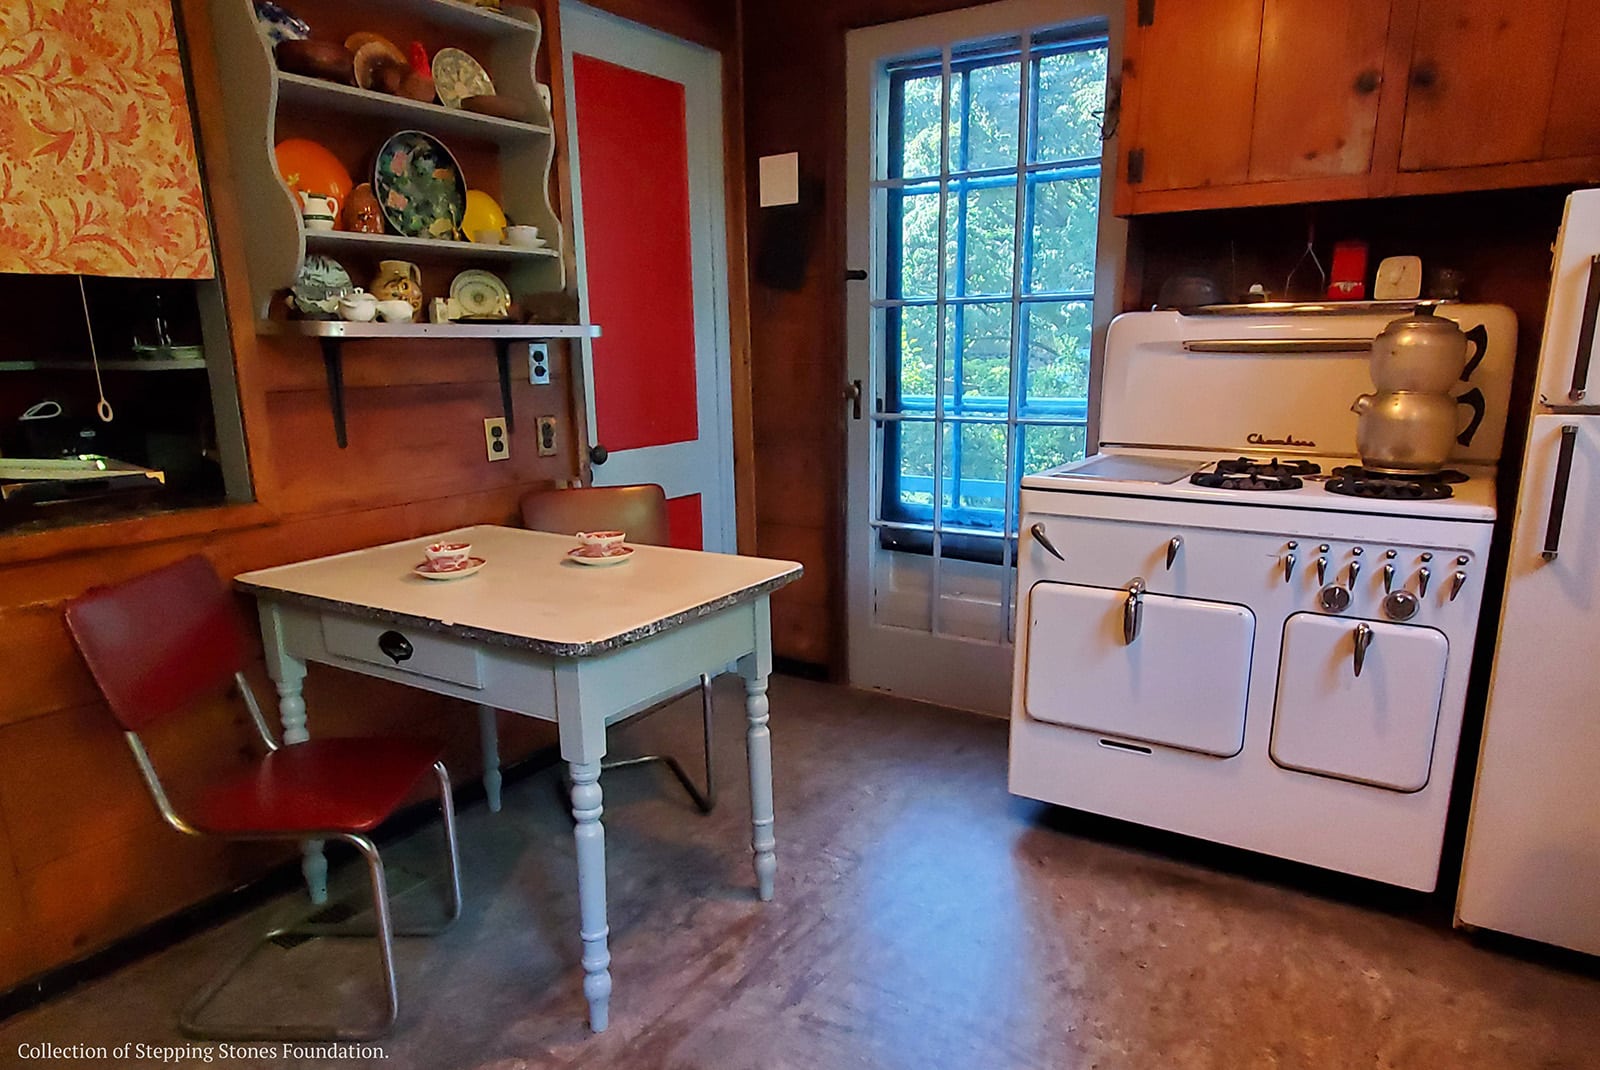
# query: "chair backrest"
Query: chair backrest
{"points": [[640, 510], [159, 643]]}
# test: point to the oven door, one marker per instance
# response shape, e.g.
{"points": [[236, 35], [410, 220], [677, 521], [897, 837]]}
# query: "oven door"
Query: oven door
{"points": [[1374, 727], [1176, 673]]}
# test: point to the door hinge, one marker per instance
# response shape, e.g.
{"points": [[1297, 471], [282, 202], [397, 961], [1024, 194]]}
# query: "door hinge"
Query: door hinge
{"points": [[1135, 166], [1147, 12]]}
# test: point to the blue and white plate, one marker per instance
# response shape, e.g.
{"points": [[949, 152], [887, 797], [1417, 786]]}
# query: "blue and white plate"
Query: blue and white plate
{"points": [[279, 24]]}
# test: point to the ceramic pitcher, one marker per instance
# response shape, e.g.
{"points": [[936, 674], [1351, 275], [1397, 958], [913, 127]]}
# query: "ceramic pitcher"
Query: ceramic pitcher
{"points": [[398, 280]]}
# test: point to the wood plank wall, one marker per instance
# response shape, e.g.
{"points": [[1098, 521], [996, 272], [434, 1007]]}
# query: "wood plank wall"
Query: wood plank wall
{"points": [[84, 859]]}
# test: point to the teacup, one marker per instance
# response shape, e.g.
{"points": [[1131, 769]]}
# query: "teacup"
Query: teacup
{"points": [[395, 311], [601, 540], [445, 555], [358, 306], [524, 236]]}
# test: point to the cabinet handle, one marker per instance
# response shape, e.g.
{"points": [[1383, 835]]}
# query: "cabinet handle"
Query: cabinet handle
{"points": [[1037, 531], [1368, 81], [598, 454], [1363, 640], [1133, 610], [1580, 359], [852, 394], [1424, 76], [1558, 495]]}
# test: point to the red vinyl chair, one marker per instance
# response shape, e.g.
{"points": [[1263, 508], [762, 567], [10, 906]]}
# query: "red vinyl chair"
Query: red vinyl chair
{"points": [[640, 510], [164, 642]]}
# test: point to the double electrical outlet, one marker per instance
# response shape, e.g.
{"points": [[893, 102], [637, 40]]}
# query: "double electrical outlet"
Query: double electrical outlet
{"points": [[497, 441]]}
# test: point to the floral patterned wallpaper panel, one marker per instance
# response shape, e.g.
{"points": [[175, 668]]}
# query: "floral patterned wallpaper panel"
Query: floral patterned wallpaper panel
{"points": [[98, 174]]}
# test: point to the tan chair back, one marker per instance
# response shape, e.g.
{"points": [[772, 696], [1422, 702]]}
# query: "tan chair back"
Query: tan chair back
{"points": [[640, 510]]}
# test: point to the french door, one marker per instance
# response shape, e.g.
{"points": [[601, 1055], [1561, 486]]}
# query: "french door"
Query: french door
{"points": [[975, 146], [645, 139]]}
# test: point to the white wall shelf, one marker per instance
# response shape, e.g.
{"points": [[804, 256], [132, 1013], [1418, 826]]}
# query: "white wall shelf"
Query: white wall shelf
{"points": [[334, 242], [506, 42], [151, 365], [309, 94]]}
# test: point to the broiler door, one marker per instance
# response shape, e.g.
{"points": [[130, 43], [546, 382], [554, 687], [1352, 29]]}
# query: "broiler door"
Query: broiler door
{"points": [[1137, 666]]}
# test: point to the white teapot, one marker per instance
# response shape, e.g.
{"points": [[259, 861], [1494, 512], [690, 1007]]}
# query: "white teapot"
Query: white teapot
{"points": [[358, 306]]}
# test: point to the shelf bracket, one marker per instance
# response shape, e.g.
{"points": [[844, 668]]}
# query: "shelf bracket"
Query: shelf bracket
{"points": [[333, 363], [502, 356]]}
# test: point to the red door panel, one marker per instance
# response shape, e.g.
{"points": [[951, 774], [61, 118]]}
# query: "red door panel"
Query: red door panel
{"points": [[683, 522], [634, 173]]}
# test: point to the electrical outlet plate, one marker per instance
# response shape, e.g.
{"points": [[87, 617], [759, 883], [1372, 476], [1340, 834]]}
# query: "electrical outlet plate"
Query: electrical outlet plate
{"points": [[539, 363], [496, 442], [548, 443]]}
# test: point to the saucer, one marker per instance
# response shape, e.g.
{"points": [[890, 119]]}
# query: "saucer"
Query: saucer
{"points": [[589, 555], [430, 571]]}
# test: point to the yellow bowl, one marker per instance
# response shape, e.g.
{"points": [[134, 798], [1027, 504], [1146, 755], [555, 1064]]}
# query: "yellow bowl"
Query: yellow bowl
{"points": [[482, 213]]}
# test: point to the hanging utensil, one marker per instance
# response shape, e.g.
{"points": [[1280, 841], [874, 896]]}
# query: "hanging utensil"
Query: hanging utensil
{"points": [[103, 407]]}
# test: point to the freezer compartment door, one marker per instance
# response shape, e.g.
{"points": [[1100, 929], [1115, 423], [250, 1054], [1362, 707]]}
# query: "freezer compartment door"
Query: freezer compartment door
{"points": [[1359, 700], [1533, 846], [1168, 671], [1569, 372]]}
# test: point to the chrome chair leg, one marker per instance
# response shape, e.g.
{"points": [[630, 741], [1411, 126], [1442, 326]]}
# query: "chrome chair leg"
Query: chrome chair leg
{"points": [[189, 1020], [706, 800], [447, 809]]}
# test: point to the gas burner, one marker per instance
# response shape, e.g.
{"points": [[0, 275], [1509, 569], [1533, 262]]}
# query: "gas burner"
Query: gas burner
{"points": [[1252, 475], [1358, 482]]}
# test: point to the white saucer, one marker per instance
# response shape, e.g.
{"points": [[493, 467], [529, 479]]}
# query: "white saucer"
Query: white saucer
{"points": [[584, 555], [429, 571]]}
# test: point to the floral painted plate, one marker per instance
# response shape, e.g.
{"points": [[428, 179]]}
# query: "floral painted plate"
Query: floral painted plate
{"points": [[317, 289], [420, 186], [457, 76], [481, 295], [278, 24]]}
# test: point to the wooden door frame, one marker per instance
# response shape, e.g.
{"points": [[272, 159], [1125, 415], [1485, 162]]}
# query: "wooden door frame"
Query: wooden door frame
{"points": [[728, 42]]}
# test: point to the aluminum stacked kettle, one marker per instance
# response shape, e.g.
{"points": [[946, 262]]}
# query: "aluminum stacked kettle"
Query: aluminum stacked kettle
{"points": [[1413, 421]]}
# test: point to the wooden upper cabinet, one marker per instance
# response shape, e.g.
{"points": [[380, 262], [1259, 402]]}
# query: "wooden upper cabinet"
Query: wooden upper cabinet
{"points": [[1574, 128], [1319, 78], [1481, 79], [1192, 83], [1230, 103]]}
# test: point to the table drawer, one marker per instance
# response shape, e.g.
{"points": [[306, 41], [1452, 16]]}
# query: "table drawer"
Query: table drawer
{"points": [[410, 650]]}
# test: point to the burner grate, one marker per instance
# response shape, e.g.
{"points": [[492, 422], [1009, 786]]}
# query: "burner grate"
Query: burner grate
{"points": [[1357, 482], [1253, 475]]}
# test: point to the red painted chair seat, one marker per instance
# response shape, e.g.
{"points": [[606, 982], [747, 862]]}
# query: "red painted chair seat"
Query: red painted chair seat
{"points": [[321, 785]]}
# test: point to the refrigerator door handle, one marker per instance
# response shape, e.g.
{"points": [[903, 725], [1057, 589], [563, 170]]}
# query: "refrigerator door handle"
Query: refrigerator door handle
{"points": [[1558, 494], [1581, 359]]}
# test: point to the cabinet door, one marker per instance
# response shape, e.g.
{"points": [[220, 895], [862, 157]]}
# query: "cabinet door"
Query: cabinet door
{"points": [[1316, 103], [1192, 78], [1181, 682], [1574, 128], [1375, 727], [1481, 82]]}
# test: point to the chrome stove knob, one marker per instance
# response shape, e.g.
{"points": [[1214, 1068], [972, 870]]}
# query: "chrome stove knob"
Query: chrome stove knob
{"points": [[1400, 605], [1456, 583], [1388, 578], [1322, 570], [1334, 598], [1424, 574]]}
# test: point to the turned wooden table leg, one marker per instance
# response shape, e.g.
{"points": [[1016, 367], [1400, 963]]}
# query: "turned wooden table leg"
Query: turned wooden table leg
{"points": [[758, 744], [590, 837], [290, 676]]}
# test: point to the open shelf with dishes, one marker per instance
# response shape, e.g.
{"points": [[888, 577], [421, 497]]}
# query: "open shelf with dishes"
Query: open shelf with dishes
{"points": [[421, 157]]}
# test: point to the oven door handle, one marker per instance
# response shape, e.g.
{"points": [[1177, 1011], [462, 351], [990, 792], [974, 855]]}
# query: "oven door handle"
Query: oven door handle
{"points": [[1363, 640], [1133, 610], [1037, 531]]}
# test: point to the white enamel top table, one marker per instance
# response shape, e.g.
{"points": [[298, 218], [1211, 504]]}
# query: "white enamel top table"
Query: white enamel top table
{"points": [[541, 636]]}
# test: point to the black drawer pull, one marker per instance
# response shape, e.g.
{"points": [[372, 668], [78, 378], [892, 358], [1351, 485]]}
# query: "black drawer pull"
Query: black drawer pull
{"points": [[1558, 494], [395, 646]]}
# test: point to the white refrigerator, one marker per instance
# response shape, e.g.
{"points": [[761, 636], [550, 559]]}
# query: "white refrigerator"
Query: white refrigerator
{"points": [[1532, 865]]}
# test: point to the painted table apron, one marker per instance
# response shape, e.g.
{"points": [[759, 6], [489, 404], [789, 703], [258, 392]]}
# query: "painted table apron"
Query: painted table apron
{"points": [[541, 636]]}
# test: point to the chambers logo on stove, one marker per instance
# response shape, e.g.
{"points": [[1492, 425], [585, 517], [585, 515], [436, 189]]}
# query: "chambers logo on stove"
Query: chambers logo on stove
{"points": [[1256, 438]]}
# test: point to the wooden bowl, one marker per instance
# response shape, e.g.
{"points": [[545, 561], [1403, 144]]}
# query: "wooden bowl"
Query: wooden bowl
{"points": [[327, 60], [498, 106]]}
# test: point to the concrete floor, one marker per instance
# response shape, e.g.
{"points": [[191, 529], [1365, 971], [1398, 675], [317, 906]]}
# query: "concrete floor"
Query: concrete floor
{"points": [[924, 919]]}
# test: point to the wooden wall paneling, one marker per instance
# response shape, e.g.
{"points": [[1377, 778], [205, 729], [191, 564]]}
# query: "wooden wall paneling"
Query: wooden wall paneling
{"points": [[1574, 128], [1318, 88], [34, 636], [1192, 115], [739, 336], [17, 956], [705, 22], [1482, 75]]}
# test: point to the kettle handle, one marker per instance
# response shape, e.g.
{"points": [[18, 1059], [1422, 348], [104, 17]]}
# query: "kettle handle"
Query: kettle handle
{"points": [[1479, 337], [1473, 399]]}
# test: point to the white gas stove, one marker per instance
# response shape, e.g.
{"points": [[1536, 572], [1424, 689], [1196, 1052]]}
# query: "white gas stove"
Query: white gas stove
{"points": [[1226, 632]]}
